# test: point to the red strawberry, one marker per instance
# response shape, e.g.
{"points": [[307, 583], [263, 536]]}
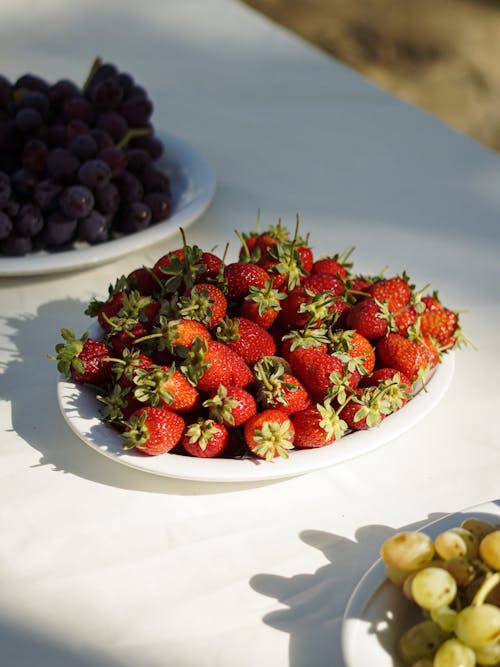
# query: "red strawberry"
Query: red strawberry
{"points": [[213, 267], [394, 384], [368, 319], [305, 338], [337, 265], [306, 258], [407, 356], [163, 264], [277, 388], [144, 280], [432, 302], [126, 338], [204, 303], [262, 304], [351, 343], [313, 368], [394, 291], [441, 325], [324, 282], [269, 434], [125, 369], [84, 359], [231, 406], [211, 363], [165, 386], [317, 426], [246, 338], [241, 276], [367, 409], [405, 319], [205, 439], [153, 430], [176, 335]]}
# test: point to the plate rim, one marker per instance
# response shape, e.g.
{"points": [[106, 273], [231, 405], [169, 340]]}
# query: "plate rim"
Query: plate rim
{"points": [[255, 470], [374, 577], [178, 152]]}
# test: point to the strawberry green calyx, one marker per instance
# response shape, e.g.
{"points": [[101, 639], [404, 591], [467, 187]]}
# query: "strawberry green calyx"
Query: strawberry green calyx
{"points": [[227, 330], [67, 352], [194, 364], [221, 406], [114, 404], [273, 438], [120, 285], [267, 297], [197, 306], [307, 337], [373, 406], [288, 262], [126, 366], [333, 426], [269, 373], [319, 308], [183, 271], [150, 385], [339, 388], [202, 432], [137, 433], [395, 392]]}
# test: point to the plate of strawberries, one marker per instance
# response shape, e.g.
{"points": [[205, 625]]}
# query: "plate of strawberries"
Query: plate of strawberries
{"points": [[269, 366]]}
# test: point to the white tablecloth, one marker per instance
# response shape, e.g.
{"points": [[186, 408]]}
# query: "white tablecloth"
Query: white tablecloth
{"points": [[105, 565]]}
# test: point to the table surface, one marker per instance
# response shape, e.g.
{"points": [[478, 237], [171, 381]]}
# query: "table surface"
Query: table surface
{"points": [[105, 565]]}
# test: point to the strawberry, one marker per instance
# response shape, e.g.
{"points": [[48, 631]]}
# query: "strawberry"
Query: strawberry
{"points": [[367, 409], [124, 336], [269, 434], [368, 318], [214, 267], [125, 368], [163, 265], [303, 338], [405, 319], [118, 405], [262, 304], [284, 263], [144, 280], [441, 325], [277, 388], [205, 438], [351, 343], [241, 276], [313, 368], [305, 309], [84, 359], [176, 335], [407, 356], [317, 426], [165, 386], [394, 384], [153, 430], [396, 292], [205, 303], [231, 406], [246, 338], [337, 265], [432, 302], [324, 282], [210, 363]]}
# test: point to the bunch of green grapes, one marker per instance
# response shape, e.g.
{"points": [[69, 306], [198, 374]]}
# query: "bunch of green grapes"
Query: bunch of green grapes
{"points": [[455, 581]]}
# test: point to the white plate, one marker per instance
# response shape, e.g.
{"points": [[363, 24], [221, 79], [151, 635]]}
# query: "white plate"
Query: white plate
{"points": [[80, 409], [192, 184], [377, 613]]}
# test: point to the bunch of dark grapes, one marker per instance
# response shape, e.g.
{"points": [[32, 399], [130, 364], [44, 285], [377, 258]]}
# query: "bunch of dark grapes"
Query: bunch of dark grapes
{"points": [[77, 163]]}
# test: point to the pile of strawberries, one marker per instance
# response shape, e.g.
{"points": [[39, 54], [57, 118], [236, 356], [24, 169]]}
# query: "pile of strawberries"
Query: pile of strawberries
{"points": [[279, 350]]}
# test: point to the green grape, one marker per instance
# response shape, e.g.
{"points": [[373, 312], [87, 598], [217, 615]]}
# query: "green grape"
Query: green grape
{"points": [[478, 625], [445, 617], [489, 656], [477, 527], [489, 549], [452, 653], [461, 569], [407, 551], [396, 575], [456, 543], [421, 641], [433, 587]]}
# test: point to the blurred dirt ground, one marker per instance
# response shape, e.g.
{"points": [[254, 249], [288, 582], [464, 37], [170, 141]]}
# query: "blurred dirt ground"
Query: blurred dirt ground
{"points": [[441, 55]]}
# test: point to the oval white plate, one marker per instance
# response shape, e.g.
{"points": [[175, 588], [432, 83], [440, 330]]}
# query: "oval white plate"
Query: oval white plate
{"points": [[377, 613], [80, 408], [192, 184]]}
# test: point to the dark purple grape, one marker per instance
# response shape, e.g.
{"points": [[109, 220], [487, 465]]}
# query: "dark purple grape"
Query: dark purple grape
{"points": [[155, 180], [138, 90], [76, 201], [5, 189], [5, 94], [138, 160], [5, 225], [107, 94], [12, 208], [104, 71], [58, 229], [74, 128], [129, 187], [28, 120], [34, 157], [11, 138], [137, 110], [150, 144], [46, 193], [94, 174], [160, 205], [17, 246], [29, 221], [102, 138], [126, 82], [107, 199], [62, 165], [115, 158], [84, 147], [36, 100], [93, 228], [60, 91], [78, 107], [32, 82], [23, 182], [114, 123], [135, 216], [57, 135]]}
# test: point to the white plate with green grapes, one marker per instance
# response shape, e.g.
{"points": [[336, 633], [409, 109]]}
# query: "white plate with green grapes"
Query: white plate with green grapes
{"points": [[378, 613]]}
